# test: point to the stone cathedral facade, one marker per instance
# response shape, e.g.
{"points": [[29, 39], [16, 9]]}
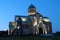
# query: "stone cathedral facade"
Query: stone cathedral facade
{"points": [[34, 23]]}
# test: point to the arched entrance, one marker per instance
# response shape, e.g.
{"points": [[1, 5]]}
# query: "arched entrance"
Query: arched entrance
{"points": [[40, 30], [16, 32]]}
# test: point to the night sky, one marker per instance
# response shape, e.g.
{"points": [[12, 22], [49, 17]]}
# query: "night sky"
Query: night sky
{"points": [[48, 8]]}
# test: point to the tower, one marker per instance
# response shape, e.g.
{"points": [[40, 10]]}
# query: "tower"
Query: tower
{"points": [[31, 10]]}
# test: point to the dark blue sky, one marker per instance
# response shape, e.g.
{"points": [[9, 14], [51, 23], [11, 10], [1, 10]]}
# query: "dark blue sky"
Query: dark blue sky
{"points": [[10, 8]]}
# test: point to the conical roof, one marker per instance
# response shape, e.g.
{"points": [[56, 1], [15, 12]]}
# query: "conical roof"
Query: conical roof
{"points": [[31, 6]]}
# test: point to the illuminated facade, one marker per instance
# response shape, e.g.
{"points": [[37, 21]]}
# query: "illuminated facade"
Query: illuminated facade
{"points": [[34, 23]]}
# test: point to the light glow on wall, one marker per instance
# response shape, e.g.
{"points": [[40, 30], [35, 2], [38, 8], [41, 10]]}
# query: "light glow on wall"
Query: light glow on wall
{"points": [[12, 23], [23, 19], [35, 21], [46, 20], [31, 13], [18, 27], [45, 32]]}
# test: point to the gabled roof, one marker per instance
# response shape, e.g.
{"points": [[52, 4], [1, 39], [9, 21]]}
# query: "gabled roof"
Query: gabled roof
{"points": [[26, 17], [31, 6], [39, 14], [19, 16], [46, 17]]}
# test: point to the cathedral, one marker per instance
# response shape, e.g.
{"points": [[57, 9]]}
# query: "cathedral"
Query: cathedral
{"points": [[34, 23]]}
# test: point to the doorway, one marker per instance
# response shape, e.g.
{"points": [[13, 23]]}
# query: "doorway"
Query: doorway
{"points": [[40, 30]]}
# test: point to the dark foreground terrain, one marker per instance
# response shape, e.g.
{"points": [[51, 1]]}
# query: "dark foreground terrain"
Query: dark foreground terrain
{"points": [[30, 38], [54, 36]]}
